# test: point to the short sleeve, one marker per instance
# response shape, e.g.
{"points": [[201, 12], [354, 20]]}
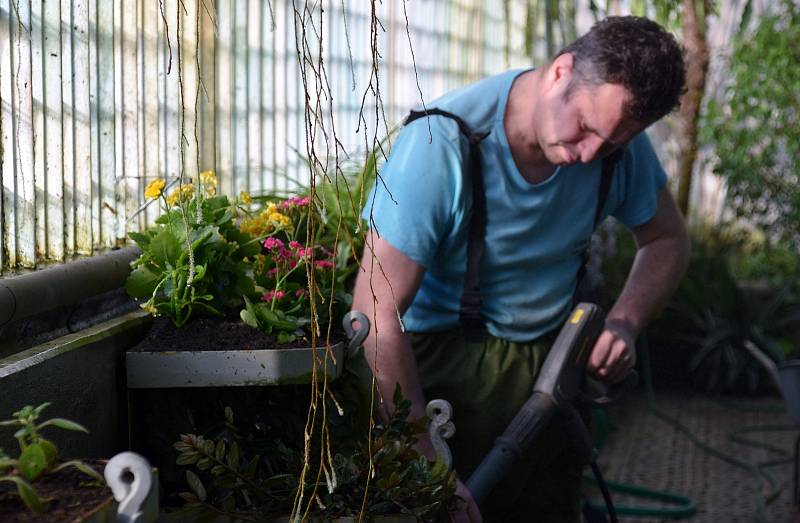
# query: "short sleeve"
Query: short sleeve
{"points": [[640, 178], [419, 188]]}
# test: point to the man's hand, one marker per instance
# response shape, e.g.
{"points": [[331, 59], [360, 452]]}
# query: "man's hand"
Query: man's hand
{"points": [[614, 354], [465, 510]]}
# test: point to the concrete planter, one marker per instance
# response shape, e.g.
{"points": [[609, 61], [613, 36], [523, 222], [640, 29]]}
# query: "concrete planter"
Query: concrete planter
{"points": [[238, 368], [231, 368]]}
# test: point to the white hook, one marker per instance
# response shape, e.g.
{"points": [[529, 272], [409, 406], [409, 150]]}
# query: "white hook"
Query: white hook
{"points": [[440, 411], [129, 476]]}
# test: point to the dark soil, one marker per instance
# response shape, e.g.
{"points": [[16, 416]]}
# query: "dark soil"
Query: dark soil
{"points": [[203, 334], [69, 500]]}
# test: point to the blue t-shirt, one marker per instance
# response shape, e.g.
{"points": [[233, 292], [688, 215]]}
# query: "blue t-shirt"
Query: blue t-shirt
{"points": [[535, 233]]}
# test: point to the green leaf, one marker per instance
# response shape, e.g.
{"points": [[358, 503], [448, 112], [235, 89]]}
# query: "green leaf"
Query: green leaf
{"points": [[86, 469], [27, 493], [63, 424], [166, 248], [50, 452], [233, 456], [249, 318], [196, 485], [141, 282], [141, 239], [187, 458], [32, 461], [219, 453], [252, 467]]}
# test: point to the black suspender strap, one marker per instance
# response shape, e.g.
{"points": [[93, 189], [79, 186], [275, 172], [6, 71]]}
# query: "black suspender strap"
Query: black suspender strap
{"points": [[472, 322], [606, 175]]}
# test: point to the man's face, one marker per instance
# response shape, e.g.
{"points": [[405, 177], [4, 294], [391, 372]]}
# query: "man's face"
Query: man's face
{"points": [[581, 123]]}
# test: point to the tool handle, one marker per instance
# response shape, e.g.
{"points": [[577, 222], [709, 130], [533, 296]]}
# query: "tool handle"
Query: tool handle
{"points": [[508, 448], [614, 392]]}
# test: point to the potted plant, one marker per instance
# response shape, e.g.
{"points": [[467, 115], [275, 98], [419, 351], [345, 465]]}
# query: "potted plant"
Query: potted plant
{"points": [[238, 273], [246, 473], [37, 486]]}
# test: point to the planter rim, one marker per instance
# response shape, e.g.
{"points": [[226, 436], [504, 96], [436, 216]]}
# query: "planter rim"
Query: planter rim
{"points": [[232, 368]]}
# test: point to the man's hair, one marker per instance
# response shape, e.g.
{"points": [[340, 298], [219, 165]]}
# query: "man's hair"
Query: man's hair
{"points": [[636, 53]]}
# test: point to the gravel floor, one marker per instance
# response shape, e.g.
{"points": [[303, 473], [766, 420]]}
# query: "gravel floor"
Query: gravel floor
{"points": [[645, 450]]}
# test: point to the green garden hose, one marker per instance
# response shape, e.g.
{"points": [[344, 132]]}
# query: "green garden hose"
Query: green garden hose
{"points": [[686, 507]]}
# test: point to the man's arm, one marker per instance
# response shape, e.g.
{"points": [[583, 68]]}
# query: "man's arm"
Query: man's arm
{"points": [[384, 289], [662, 255]]}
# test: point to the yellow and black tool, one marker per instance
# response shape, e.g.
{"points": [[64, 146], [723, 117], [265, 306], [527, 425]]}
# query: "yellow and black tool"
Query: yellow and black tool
{"points": [[556, 392]]}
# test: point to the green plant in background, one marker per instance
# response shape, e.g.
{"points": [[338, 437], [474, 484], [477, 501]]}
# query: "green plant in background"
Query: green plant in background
{"points": [[739, 289], [754, 128], [718, 316], [192, 259], [38, 455], [248, 475]]}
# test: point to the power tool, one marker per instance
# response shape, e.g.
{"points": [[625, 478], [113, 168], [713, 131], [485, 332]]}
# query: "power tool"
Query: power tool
{"points": [[556, 392]]}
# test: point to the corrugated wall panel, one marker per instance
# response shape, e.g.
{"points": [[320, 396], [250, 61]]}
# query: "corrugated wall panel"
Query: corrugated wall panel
{"points": [[93, 106], [81, 127], [7, 236], [24, 184]]}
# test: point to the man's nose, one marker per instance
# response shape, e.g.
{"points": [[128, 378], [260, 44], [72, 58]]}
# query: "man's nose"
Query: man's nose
{"points": [[588, 148]]}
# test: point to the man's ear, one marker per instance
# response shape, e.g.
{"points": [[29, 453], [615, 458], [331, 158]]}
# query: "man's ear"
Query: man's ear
{"points": [[559, 72]]}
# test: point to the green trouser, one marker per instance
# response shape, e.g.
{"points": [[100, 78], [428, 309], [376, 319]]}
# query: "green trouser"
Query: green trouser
{"points": [[487, 383]]}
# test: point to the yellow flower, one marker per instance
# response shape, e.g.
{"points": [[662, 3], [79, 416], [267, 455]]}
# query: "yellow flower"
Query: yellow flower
{"points": [[208, 178], [208, 181], [245, 198], [280, 221], [154, 189], [182, 193]]}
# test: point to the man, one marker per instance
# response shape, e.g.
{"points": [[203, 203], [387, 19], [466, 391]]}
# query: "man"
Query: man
{"points": [[549, 130]]}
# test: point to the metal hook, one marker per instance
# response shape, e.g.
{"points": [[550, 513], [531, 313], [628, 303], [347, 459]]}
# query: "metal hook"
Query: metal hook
{"points": [[356, 337], [440, 411], [129, 493]]}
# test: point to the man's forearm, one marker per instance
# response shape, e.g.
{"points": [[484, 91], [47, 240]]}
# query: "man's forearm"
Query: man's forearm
{"points": [[389, 355], [384, 289], [661, 259], [656, 272]]}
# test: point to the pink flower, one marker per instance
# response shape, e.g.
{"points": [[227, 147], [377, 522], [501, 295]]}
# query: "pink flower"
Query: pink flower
{"points": [[295, 245], [272, 272], [299, 293], [323, 264], [273, 243], [295, 202], [270, 295]]}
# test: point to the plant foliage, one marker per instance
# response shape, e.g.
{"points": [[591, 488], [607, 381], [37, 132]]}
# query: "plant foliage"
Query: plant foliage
{"points": [[754, 128], [38, 455], [191, 261], [718, 315], [248, 476]]}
